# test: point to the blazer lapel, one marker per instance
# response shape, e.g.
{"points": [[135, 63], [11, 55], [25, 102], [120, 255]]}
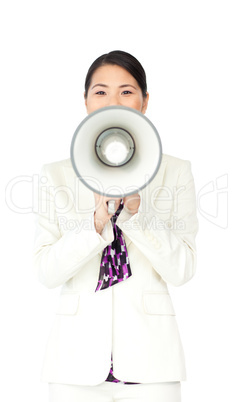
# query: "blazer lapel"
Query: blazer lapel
{"points": [[158, 180], [83, 197]]}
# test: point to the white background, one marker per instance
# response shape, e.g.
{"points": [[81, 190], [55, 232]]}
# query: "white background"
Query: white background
{"points": [[186, 49]]}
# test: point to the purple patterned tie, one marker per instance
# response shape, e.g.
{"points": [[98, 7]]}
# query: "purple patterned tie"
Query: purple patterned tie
{"points": [[114, 266]]}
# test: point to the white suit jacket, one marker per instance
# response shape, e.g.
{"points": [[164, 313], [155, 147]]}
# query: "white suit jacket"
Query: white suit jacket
{"points": [[135, 319]]}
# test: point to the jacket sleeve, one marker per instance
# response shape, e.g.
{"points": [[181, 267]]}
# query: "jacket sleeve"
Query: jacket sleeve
{"points": [[169, 244], [58, 257]]}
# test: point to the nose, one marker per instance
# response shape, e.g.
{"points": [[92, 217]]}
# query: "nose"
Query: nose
{"points": [[114, 100]]}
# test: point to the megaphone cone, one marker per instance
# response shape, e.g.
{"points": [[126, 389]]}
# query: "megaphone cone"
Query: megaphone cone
{"points": [[116, 151]]}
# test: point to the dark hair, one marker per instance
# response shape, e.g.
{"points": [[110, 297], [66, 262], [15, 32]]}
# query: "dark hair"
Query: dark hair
{"points": [[122, 59]]}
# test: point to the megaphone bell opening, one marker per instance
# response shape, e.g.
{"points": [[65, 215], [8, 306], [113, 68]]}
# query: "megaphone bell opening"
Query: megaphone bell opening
{"points": [[138, 158]]}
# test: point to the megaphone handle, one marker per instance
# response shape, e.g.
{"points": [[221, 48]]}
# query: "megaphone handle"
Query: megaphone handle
{"points": [[111, 207]]}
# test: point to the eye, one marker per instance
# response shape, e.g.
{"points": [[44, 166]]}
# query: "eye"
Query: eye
{"points": [[100, 93], [126, 92]]}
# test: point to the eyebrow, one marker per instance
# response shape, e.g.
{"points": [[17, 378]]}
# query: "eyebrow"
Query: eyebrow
{"points": [[106, 86]]}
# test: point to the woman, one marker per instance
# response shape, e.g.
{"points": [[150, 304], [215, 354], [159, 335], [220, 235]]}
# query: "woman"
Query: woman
{"points": [[115, 335]]}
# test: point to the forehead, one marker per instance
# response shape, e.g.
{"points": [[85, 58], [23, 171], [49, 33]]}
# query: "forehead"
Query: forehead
{"points": [[112, 74]]}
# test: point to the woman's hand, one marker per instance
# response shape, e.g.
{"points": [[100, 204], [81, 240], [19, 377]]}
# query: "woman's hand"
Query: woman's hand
{"points": [[101, 216], [131, 203]]}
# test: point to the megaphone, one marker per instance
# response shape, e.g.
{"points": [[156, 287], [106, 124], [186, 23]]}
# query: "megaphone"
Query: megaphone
{"points": [[116, 151]]}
